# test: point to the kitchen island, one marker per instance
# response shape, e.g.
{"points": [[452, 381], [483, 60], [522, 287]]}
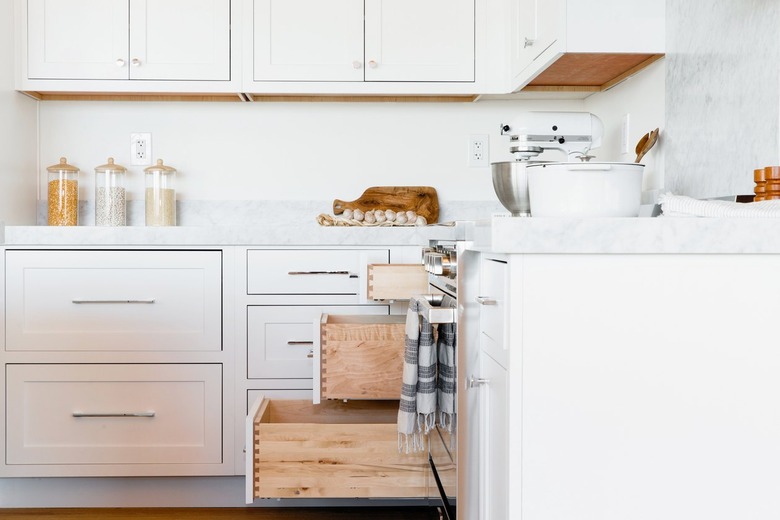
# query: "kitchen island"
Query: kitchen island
{"points": [[628, 367]]}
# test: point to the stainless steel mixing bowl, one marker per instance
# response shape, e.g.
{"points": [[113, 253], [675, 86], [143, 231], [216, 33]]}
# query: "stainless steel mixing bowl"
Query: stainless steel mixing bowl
{"points": [[510, 183]]}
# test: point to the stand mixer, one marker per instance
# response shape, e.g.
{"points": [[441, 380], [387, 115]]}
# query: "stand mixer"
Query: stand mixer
{"points": [[530, 134]]}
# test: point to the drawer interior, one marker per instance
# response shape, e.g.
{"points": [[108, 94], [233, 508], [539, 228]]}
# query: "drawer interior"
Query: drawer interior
{"points": [[331, 450]]}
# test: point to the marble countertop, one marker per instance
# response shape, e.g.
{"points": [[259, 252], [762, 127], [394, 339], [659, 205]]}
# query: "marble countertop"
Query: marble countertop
{"points": [[663, 235], [293, 235]]}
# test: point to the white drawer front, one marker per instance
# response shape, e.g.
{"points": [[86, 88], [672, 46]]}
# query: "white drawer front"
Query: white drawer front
{"points": [[311, 271], [281, 338], [75, 414], [114, 300]]}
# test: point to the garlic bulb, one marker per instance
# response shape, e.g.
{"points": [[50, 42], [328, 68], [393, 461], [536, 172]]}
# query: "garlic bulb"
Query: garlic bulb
{"points": [[358, 215], [347, 214], [400, 218], [390, 215], [411, 217], [420, 221], [370, 217], [380, 217]]}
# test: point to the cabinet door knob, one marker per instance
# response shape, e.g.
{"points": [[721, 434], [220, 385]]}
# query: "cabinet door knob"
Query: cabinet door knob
{"points": [[120, 63], [485, 300], [373, 64], [135, 62], [474, 382], [356, 64], [529, 42]]}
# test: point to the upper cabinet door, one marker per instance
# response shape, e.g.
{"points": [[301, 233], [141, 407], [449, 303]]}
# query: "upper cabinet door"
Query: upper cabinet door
{"points": [[77, 39], [408, 40], [308, 40], [179, 39]]}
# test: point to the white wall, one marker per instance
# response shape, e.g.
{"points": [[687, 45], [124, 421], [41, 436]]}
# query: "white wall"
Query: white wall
{"points": [[642, 98], [18, 135], [288, 151]]}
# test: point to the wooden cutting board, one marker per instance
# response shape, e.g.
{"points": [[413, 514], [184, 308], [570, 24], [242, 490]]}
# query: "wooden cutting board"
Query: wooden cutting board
{"points": [[423, 200]]}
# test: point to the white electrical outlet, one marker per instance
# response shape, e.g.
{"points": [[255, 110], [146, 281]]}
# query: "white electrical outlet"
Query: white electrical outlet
{"points": [[479, 152], [141, 149], [625, 131]]}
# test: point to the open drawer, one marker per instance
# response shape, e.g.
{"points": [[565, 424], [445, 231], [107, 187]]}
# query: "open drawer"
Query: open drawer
{"points": [[331, 450], [359, 357]]}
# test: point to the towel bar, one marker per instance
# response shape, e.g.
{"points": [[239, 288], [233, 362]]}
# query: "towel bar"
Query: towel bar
{"points": [[437, 308]]}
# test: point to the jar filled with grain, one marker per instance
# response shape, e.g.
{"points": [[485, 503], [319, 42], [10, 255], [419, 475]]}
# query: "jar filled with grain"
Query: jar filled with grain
{"points": [[63, 188], [110, 194], [160, 195]]}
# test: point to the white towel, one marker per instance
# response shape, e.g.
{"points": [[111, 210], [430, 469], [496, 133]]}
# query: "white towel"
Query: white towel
{"points": [[682, 206], [417, 408]]}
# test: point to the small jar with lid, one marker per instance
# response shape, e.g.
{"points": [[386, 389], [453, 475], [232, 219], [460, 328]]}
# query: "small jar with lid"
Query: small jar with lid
{"points": [[63, 194], [160, 195], [110, 194]]}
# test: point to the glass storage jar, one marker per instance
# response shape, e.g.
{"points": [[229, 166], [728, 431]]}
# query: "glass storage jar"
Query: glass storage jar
{"points": [[110, 194], [63, 193], [160, 196]]}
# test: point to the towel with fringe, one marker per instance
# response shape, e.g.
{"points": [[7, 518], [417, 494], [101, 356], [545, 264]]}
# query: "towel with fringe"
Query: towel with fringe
{"points": [[417, 409], [682, 206], [446, 377]]}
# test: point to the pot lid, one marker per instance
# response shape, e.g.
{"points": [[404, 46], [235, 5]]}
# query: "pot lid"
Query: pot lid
{"points": [[159, 168], [63, 166], [110, 167]]}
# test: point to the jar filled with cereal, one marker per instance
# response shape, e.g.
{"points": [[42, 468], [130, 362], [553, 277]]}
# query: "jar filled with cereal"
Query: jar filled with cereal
{"points": [[63, 188], [160, 196], [110, 194]]}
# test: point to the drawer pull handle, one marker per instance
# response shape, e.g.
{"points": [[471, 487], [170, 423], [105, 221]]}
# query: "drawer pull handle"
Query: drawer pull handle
{"points": [[81, 300], [300, 343], [131, 414], [484, 300], [474, 382], [310, 355], [300, 273]]}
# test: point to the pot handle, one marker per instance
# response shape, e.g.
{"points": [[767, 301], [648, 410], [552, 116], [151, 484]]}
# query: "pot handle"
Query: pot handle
{"points": [[588, 167]]}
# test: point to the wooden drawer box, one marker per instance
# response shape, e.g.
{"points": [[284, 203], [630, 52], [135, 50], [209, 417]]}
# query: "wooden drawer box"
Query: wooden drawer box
{"points": [[311, 271], [330, 450], [113, 300], [396, 281], [361, 357], [280, 338], [114, 414]]}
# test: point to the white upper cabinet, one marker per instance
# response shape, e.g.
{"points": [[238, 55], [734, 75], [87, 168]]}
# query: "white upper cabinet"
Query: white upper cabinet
{"points": [[409, 40], [107, 45], [308, 40], [569, 43], [302, 45]]}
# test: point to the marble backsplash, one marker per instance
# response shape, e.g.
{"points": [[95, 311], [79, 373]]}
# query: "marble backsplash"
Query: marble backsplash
{"points": [[212, 213], [722, 95]]}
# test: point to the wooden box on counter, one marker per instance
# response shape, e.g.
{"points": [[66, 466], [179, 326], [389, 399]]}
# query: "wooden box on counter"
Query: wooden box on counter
{"points": [[330, 450], [361, 356]]}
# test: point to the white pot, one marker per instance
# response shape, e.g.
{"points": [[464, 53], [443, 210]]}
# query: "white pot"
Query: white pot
{"points": [[585, 189]]}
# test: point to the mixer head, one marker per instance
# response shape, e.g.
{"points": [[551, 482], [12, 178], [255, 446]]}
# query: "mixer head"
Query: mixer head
{"points": [[574, 133]]}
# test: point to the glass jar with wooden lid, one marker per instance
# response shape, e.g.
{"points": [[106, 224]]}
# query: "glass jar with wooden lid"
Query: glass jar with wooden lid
{"points": [[160, 195], [110, 194], [63, 194]]}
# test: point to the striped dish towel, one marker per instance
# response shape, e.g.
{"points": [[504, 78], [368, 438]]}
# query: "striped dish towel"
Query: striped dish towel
{"points": [[417, 410], [446, 376]]}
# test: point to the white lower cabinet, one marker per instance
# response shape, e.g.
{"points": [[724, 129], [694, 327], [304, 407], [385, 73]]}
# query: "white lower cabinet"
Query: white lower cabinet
{"points": [[494, 445], [155, 414]]}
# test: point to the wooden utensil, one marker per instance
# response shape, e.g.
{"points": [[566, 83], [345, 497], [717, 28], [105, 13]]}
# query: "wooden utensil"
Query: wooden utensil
{"points": [[423, 200], [645, 143]]}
